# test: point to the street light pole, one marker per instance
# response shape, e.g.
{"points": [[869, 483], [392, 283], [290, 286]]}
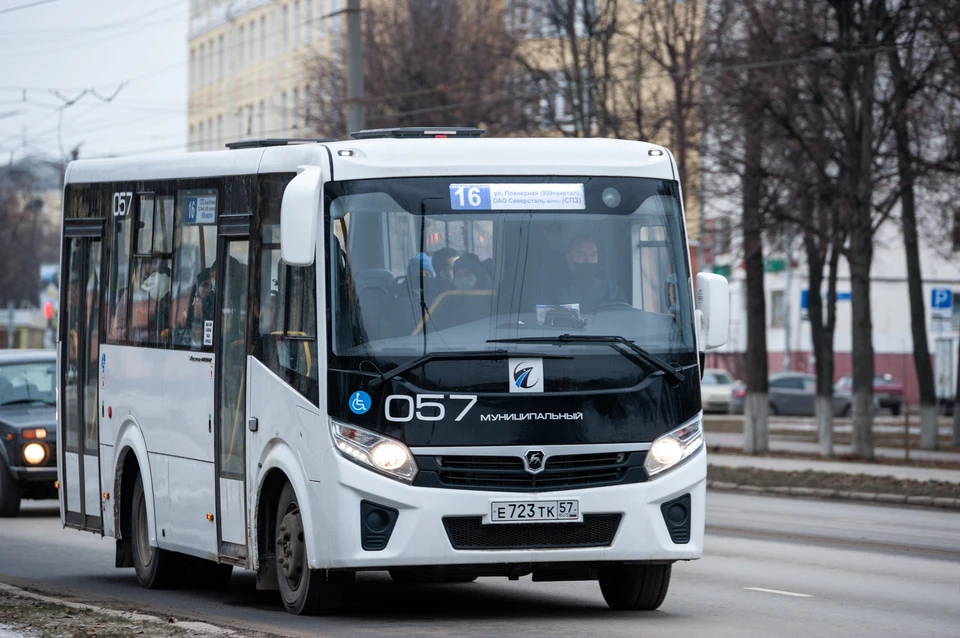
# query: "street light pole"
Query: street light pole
{"points": [[354, 68]]}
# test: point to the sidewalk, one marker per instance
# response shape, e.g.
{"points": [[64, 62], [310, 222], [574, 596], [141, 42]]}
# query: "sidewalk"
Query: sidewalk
{"points": [[735, 440], [799, 465]]}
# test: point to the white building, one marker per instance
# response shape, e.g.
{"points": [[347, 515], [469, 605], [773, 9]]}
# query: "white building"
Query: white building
{"points": [[890, 312]]}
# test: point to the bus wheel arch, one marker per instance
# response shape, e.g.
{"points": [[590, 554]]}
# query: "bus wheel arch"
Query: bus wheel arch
{"points": [[127, 470], [267, 503]]}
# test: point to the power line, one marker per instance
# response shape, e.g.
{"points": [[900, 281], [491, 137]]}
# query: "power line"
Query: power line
{"points": [[26, 6]]}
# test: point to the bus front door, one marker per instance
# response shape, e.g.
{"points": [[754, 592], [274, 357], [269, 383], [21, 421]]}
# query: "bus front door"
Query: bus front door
{"points": [[230, 417], [79, 351]]}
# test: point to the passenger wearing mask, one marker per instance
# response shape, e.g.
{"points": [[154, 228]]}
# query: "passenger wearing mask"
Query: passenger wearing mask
{"points": [[443, 260], [469, 274]]}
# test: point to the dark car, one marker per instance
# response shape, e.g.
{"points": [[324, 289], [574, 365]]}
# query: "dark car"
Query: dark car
{"points": [[795, 394], [28, 429], [887, 390]]}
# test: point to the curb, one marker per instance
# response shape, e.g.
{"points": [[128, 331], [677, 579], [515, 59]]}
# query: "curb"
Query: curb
{"points": [[869, 497], [194, 626]]}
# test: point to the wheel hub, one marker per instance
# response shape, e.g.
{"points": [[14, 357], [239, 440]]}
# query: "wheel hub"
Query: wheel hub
{"points": [[290, 547]]}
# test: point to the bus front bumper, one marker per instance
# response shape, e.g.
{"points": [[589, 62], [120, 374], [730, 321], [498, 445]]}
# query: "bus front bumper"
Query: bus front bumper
{"points": [[420, 537]]}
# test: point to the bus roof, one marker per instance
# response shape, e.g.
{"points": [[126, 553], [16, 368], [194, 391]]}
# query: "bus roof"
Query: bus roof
{"points": [[389, 157]]}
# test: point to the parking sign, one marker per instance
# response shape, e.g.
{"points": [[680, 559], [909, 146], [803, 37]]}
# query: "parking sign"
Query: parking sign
{"points": [[941, 303]]}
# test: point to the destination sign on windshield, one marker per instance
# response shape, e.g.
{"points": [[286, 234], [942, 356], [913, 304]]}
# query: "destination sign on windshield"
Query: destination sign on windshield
{"points": [[517, 197]]}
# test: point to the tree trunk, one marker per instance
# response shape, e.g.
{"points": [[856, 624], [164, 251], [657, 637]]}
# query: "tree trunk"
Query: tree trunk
{"points": [[756, 406], [918, 322], [822, 342], [862, 351]]}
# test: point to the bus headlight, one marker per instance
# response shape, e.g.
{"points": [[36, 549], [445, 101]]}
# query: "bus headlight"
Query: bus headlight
{"points": [[374, 451], [673, 447], [34, 454]]}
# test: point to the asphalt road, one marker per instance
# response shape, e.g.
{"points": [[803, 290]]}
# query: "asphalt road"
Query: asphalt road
{"points": [[773, 567]]}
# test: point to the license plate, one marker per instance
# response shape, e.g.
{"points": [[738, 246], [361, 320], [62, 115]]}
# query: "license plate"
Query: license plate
{"points": [[567, 511]]}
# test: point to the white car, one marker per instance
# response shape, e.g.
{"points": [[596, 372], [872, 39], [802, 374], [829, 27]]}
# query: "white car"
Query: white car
{"points": [[716, 390]]}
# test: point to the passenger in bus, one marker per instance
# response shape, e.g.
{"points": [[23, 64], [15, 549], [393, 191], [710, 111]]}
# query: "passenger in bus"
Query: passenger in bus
{"points": [[443, 260], [583, 283], [469, 274], [150, 315]]}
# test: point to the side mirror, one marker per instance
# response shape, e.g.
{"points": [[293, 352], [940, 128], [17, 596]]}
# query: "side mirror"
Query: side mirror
{"points": [[713, 302], [299, 216]]}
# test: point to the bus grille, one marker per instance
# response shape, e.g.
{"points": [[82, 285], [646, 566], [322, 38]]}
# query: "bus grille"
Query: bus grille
{"points": [[467, 532], [507, 473]]}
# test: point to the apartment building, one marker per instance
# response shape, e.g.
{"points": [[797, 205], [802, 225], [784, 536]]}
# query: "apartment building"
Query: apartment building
{"points": [[249, 67]]}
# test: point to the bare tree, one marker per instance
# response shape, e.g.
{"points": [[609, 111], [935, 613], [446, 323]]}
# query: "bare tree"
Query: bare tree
{"points": [[569, 53], [24, 238], [427, 63]]}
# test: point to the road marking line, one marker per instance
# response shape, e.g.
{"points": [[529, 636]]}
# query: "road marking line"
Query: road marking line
{"points": [[777, 591]]}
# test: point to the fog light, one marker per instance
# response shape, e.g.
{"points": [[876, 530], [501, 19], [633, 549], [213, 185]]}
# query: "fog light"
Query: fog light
{"points": [[34, 454]]}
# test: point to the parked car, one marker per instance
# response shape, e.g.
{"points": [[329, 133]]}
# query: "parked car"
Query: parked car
{"points": [[794, 394], [887, 390], [28, 428], [716, 390]]}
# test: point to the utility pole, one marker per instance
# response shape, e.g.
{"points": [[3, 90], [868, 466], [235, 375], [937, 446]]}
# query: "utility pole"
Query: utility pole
{"points": [[354, 68]]}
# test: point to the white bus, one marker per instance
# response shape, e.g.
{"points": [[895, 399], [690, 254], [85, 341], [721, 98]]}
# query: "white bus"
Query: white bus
{"points": [[419, 351]]}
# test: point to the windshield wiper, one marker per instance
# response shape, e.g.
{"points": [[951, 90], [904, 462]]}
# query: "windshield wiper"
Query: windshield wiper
{"points": [[23, 401], [674, 376], [449, 356]]}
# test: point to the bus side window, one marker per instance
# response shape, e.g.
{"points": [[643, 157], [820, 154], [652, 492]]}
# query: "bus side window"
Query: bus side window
{"points": [[195, 281]]}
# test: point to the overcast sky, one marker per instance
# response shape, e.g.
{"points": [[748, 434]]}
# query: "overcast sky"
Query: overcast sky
{"points": [[69, 46]]}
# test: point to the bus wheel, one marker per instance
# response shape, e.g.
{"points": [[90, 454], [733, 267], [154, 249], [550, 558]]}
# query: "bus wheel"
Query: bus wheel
{"points": [[10, 493], [640, 587], [156, 568], [304, 591]]}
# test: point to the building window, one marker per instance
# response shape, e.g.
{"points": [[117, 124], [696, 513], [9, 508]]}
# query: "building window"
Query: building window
{"points": [[274, 39], [308, 21], [286, 28], [193, 69], [220, 58], [199, 137], [253, 41], [202, 75], [240, 48], [283, 114], [219, 132], [260, 120], [296, 23], [776, 309], [239, 124], [263, 38], [212, 69], [210, 134], [190, 139]]}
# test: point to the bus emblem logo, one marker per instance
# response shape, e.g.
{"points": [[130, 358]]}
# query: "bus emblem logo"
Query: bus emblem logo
{"points": [[360, 402], [526, 375], [534, 461]]}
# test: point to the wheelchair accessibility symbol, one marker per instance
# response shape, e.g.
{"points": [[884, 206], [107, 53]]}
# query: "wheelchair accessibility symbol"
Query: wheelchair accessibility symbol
{"points": [[359, 402]]}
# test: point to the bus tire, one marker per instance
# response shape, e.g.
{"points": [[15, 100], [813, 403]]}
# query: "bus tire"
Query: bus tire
{"points": [[10, 492], [304, 591], [156, 568], [635, 587]]}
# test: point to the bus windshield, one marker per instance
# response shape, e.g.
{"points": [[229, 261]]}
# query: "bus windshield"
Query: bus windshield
{"points": [[422, 265]]}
